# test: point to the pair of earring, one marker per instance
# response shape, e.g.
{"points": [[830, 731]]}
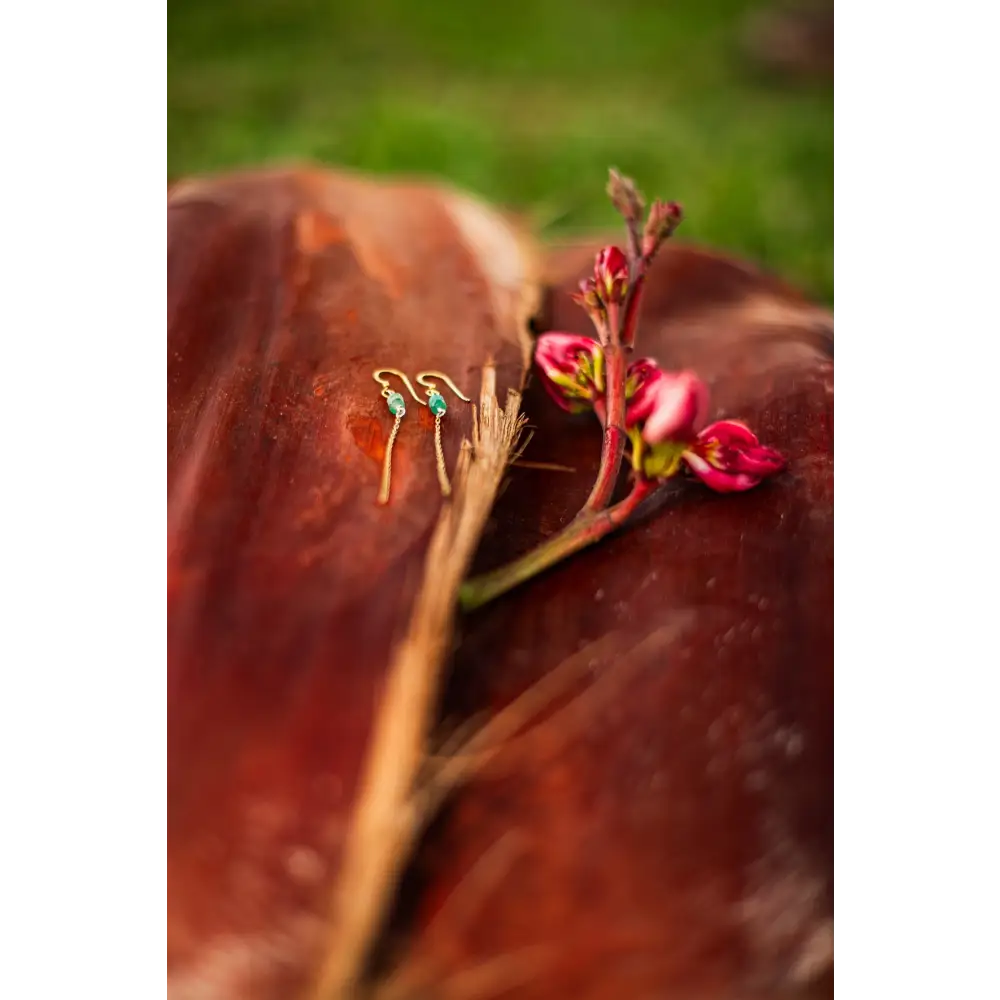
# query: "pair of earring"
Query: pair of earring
{"points": [[397, 407]]}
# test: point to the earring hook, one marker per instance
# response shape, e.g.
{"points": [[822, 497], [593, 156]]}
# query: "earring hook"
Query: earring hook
{"points": [[432, 387], [387, 389]]}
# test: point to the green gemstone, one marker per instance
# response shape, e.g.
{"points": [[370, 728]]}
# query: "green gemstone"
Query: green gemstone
{"points": [[396, 405], [437, 404]]}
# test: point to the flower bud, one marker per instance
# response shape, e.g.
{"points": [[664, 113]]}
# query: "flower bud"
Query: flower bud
{"points": [[672, 406], [572, 369], [611, 275], [624, 196], [664, 218], [728, 458], [590, 298]]}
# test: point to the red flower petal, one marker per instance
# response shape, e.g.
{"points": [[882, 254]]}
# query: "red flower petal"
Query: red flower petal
{"points": [[568, 363], [640, 395], [728, 457], [611, 274], [560, 352], [761, 461], [717, 479], [678, 407], [730, 432]]}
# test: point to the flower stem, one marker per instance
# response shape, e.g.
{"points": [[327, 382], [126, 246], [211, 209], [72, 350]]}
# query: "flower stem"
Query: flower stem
{"points": [[585, 529], [616, 324], [614, 430], [634, 251], [632, 306]]}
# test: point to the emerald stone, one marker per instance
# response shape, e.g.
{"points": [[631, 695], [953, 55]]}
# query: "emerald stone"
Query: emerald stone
{"points": [[437, 404], [396, 405]]}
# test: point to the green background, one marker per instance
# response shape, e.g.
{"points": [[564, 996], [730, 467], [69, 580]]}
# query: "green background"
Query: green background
{"points": [[524, 103]]}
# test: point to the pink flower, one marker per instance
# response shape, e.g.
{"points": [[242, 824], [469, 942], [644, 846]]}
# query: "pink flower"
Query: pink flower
{"points": [[572, 369], [727, 457], [664, 418], [611, 275], [668, 404]]}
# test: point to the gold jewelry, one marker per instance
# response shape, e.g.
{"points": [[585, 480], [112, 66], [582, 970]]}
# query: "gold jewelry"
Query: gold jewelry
{"points": [[437, 405], [397, 407]]}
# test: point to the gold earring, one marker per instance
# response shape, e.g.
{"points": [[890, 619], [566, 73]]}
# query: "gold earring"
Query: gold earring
{"points": [[437, 405], [397, 407]]}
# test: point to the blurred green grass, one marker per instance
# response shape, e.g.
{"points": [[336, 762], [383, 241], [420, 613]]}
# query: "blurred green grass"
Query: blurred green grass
{"points": [[525, 103]]}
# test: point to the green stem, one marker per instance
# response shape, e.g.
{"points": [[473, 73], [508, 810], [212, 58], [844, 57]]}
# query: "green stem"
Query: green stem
{"points": [[585, 529]]}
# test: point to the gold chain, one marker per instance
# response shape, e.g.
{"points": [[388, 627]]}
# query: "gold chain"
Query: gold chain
{"points": [[442, 471], [383, 493]]}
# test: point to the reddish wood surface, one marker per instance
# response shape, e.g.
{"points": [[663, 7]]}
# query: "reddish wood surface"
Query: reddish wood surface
{"points": [[678, 842]]}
